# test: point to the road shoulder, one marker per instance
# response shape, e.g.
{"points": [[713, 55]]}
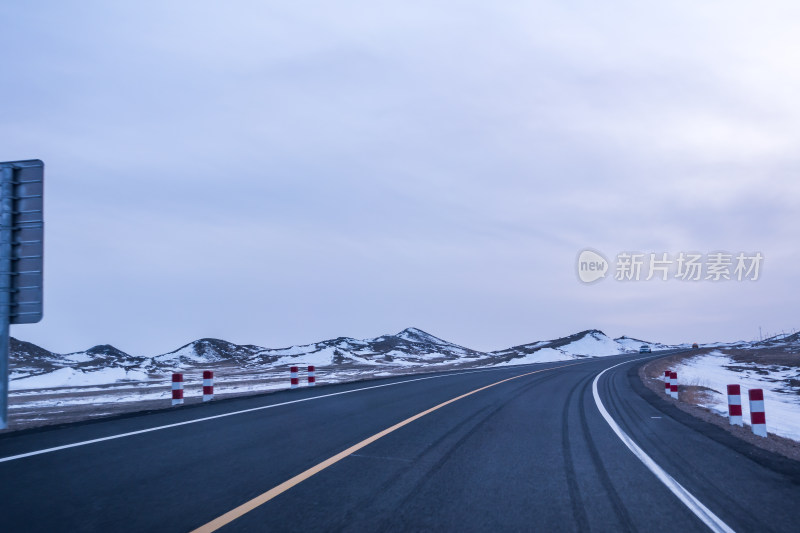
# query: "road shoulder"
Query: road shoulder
{"points": [[776, 453]]}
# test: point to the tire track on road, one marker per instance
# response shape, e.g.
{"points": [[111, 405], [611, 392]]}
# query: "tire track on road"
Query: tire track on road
{"points": [[578, 509], [616, 502], [386, 525]]}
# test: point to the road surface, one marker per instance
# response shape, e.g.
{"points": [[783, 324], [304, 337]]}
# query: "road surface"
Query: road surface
{"points": [[522, 448]]}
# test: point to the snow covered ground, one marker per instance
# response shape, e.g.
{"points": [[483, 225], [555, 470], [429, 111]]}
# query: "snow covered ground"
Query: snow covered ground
{"points": [[47, 386], [139, 392], [67, 387], [409, 350], [70, 377], [67, 394], [781, 386]]}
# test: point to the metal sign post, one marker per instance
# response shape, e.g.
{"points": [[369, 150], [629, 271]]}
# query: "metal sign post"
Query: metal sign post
{"points": [[21, 256], [6, 233]]}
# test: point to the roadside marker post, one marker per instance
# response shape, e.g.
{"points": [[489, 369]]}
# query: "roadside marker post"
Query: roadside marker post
{"points": [[293, 379], [21, 256], [758, 418], [667, 381], [177, 389], [312, 376], [208, 385], [735, 405], [673, 384]]}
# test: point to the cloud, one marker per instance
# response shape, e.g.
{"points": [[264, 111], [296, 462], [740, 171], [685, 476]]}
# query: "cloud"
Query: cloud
{"points": [[280, 174]]}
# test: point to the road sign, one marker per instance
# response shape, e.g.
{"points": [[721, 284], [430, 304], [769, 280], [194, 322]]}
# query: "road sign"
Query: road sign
{"points": [[21, 255]]}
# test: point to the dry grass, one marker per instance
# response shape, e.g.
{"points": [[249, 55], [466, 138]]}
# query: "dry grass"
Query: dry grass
{"points": [[696, 394], [784, 356]]}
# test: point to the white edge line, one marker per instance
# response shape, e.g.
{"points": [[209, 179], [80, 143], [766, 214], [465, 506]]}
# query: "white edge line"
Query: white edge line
{"points": [[702, 512], [157, 428]]}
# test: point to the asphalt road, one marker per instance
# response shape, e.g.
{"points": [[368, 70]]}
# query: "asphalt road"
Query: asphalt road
{"points": [[532, 453]]}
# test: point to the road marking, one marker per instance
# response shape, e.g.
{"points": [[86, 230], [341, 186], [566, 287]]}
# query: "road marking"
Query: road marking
{"points": [[246, 507], [204, 419], [702, 512]]}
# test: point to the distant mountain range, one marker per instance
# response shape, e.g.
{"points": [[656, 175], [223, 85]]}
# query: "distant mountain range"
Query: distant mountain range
{"points": [[410, 347]]}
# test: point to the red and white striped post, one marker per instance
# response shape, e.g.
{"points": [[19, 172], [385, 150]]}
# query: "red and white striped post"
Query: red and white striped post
{"points": [[312, 376], [735, 405], [673, 384], [758, 418], [295, 381], [208, 385], [177, 389], [667, 374]]}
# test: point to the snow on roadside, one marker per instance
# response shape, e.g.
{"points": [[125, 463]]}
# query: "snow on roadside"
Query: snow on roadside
{"points": [[69, 377], [713, 370], [68, 387]]}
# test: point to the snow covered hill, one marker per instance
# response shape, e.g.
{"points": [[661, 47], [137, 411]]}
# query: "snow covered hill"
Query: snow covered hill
{"points": [[589, 343], [411, 346], [35, 367], [209, 351], [629, 344], [48, 387]]}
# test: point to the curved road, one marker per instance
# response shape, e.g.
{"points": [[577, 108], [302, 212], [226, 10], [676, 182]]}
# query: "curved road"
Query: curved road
{"points": [[522, 448]]}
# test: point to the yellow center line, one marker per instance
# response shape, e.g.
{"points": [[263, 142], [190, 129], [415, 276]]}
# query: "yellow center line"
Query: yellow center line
{"points": [[245, 508]]}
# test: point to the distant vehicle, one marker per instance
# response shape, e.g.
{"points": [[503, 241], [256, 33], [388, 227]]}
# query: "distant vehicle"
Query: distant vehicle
{"points": [[644, 349], [694, 346]]}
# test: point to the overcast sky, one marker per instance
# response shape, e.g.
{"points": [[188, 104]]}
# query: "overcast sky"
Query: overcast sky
{"points": [[282, 173]]}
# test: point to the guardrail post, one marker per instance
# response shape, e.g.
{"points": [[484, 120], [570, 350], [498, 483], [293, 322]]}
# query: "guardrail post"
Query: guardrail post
{"points": [[208, 385], [758, 418], [177, 389], [735, 405], [673, 384]]}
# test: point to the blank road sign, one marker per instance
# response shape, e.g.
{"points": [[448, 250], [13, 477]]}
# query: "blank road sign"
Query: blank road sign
{"points": [[23, 209]]}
